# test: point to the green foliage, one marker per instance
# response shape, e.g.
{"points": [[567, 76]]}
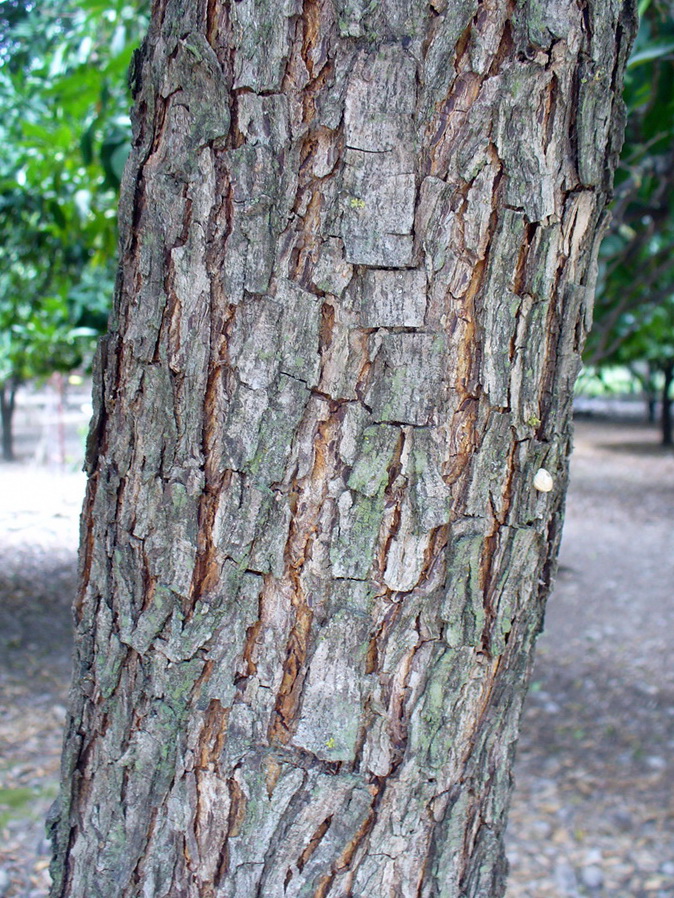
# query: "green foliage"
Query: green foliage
{"points": [[608, 380], [65, 133], [634, 315]]}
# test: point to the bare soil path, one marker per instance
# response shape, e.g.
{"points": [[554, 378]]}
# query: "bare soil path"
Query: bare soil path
{"points": [[39, 513], [593, 811]]}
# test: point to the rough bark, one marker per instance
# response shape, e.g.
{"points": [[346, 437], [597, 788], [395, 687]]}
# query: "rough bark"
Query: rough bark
{"points": [[357, 268]]}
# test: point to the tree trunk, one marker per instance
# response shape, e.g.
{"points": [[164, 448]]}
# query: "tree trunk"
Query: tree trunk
{"points": [[651, 393], [651, 408], [357, 269], [7, 406], [644, 376], [668, 374]]}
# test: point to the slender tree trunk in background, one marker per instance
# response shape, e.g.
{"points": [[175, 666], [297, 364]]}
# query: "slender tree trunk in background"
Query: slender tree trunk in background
{"points": [[651, 395], [7, 405], [668, 373], [357, 269]]}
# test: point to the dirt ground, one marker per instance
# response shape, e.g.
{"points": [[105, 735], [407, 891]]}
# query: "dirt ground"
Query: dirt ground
{"points": [[593, 810]]}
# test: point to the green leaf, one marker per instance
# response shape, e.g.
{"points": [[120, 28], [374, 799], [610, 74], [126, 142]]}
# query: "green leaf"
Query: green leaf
{"points": [[650, 53], [62, 92]]}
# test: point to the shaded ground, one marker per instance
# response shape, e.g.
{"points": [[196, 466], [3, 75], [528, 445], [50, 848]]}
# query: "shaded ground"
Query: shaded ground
{"points": [[38, 543], [593, 812]]}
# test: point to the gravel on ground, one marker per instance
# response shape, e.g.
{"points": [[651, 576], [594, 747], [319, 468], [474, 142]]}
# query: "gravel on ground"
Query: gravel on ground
{"points": [[593, 807]]}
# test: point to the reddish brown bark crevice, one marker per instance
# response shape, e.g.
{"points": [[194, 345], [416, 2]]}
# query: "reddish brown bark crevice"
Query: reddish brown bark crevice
{"points": [[452, 113], [380, 633], [348, 853], [236, 817], [435, 553], [313, 32], [309, 497], [288, 696], [313, 843], [212, 23], [248, 666], [207, 568], [550, 110], [212, 737], [519, 275]]}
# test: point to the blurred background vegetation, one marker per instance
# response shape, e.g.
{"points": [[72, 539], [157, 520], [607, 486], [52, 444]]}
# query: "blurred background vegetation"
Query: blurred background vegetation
{"points": [[65, 133], [634, 309]]}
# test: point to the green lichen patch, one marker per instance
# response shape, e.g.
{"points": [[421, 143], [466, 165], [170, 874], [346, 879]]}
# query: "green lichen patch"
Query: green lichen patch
{"points": [[370, 470], [353, 544], [463, 605]]}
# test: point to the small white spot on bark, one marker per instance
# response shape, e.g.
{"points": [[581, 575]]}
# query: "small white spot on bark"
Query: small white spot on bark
{"points": [[543, 481]]}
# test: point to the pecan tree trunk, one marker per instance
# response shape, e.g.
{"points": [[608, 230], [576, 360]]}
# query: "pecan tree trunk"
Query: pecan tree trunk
{"points": [[358, 244]]}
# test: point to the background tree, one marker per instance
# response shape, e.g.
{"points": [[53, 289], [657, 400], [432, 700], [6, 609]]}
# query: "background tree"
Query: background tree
{"points": [[647, 349], [636, 272], [65, 132], [357, 262]]}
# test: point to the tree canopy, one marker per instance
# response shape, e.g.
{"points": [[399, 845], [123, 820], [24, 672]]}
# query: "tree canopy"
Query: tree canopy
{"points": [[634, 313], [65, 131]]}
